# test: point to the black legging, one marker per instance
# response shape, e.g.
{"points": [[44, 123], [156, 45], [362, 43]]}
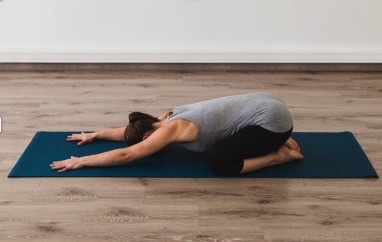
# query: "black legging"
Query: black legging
{"points": [[227, 156]]}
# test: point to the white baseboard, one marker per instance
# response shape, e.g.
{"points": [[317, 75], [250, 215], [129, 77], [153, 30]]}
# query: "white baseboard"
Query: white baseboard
{"points": [[190, 57]]}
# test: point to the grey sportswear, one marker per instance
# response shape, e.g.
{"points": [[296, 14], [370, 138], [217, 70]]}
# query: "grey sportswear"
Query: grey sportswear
{"points": [[221, 117]]}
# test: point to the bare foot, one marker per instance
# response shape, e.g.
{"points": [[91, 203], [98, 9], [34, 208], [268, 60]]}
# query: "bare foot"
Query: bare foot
{"points": [[285, 154], [292, 144]]}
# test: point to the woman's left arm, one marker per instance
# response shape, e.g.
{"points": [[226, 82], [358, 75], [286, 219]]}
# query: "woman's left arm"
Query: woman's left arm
{"points": [[155, 142]]}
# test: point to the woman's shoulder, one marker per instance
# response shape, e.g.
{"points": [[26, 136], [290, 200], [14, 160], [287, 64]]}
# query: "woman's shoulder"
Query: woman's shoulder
{"points": [[184, 130]]}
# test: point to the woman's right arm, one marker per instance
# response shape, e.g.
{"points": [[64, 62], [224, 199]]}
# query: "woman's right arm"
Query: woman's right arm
{"points": [[116, 134], [156, 141]]}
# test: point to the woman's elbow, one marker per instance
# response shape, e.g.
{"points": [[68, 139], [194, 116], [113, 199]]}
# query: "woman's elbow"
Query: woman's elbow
{"points": [[123, 157]]}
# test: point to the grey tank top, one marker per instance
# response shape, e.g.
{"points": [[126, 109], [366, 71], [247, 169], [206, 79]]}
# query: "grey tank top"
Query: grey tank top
{"points": [[221, 117]]}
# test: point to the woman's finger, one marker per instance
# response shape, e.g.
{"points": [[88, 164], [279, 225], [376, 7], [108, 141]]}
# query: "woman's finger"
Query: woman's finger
{"points": [[75, 137], [56, 165], [63, 169], [71, 137], [82, 142]]}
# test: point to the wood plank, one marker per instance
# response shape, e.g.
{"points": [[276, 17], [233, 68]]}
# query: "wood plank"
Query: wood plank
{"points": [[263, 215], [322, 233]]}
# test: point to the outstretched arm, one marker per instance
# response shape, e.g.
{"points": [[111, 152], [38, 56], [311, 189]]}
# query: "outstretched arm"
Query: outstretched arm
{"points": [[156, 141], [110, 158], [116, 134]]}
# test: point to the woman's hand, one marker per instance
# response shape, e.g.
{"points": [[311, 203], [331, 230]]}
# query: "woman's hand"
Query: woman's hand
{"points": [[69, 164], [83, 138]]}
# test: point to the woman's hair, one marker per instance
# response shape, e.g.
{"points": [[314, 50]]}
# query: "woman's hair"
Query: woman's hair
{"points": [[139, 124]]}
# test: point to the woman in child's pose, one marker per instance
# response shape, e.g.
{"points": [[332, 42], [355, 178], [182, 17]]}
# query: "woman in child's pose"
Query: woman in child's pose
{"points": [[240, 134]]}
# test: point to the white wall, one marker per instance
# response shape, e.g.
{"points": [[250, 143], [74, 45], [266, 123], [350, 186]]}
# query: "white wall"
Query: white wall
{"points": [[191, 31]]}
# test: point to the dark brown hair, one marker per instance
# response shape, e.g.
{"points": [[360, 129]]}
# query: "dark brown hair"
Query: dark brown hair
{"points": [[139, 124]]}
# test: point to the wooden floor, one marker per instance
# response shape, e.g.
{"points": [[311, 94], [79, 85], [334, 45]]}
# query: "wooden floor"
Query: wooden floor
{"points": [[136, 209]]}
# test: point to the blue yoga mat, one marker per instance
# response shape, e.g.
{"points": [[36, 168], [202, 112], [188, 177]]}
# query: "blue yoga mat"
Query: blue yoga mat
{"points": [[326, 155]]}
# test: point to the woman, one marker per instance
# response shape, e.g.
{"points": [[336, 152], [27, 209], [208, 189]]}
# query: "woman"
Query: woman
{"points": [[240, 134]]}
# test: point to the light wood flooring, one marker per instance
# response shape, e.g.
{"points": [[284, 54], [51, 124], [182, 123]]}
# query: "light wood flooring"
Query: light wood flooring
{"points": [[137, 209]]}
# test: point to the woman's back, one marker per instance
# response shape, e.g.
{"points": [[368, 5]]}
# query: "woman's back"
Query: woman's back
{"points": [[221, 117]]}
